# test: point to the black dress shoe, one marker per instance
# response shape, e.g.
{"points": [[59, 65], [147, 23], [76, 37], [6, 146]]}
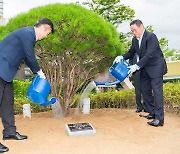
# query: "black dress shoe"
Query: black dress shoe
{"points": [[3, 148], [156, 123], [145, 110], [138, 110], [15, 136], [149, 116]]}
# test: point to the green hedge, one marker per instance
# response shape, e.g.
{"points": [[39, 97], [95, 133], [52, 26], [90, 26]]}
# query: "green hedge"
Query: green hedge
{"points": [[20, 87], [126, 98], [120, 99], [111, 99], [172, 97]]}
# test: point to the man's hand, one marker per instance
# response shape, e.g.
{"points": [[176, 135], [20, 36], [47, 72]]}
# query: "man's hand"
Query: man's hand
{"points": [[41, 74], [133, 68], [117, 59]]}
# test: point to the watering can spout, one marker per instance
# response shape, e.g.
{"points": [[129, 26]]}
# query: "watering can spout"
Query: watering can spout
{"points": [[51, 101]]}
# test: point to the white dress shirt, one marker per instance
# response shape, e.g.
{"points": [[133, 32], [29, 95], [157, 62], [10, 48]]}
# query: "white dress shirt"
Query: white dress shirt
{"points": [[139, 41]]}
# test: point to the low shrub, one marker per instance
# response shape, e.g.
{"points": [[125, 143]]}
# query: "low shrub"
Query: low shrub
{"points": [[172, 97], [110, 99], [20, 87], [120, 99], [126, 98]]}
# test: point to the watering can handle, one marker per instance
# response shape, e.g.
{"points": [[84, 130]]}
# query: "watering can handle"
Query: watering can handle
{"points": [[125, 62], [114, 64], [107, 83], [34, 80], [112, 83]]}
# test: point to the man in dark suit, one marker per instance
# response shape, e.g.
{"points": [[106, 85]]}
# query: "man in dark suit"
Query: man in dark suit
{"points": [[152, 65], [16, 47]]}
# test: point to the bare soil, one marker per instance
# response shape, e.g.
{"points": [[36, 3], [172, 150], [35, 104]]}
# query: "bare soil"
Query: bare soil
{"points": [[117, 131]]}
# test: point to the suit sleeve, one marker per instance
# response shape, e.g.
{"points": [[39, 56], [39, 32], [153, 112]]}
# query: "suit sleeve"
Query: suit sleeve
{"points": [[152, 44], [28, 43]]}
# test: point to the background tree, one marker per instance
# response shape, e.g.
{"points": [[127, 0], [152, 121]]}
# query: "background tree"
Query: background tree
{"points": [[170, 54], [116, 13], [82, 46], [111, 10]]}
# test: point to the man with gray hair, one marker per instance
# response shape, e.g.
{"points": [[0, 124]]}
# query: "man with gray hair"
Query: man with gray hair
{"points": [[152, 65]]}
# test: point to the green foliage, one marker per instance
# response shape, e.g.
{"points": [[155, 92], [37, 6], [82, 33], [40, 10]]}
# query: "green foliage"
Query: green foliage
{"points": [[172, 96], [3, 31], [170, 54], [75, 31], [83, 45], [120, 99], [150, 28], [110, 99], [111, 10], [20, 87], [116, 13], [126, 98]]}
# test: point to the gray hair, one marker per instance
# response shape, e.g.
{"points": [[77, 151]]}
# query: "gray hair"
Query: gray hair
{"points": [[136, 22]]}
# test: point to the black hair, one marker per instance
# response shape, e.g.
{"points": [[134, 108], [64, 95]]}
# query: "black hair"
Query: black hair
{"points": [[136, 22], [45, 21]]}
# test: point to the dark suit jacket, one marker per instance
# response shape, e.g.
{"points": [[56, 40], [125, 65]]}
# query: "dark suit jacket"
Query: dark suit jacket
{"points": [[16, 47], [150, 55]]}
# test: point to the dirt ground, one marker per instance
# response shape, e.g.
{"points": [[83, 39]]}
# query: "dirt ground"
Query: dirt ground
{"points": [[117, 131]]}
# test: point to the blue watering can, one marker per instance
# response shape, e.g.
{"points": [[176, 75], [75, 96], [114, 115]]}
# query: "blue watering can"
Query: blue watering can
{"points": [[119, 71], [39, 90]]}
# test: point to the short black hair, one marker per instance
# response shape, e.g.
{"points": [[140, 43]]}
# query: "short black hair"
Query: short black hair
{"points": [[136, 22], [45, 21]]}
